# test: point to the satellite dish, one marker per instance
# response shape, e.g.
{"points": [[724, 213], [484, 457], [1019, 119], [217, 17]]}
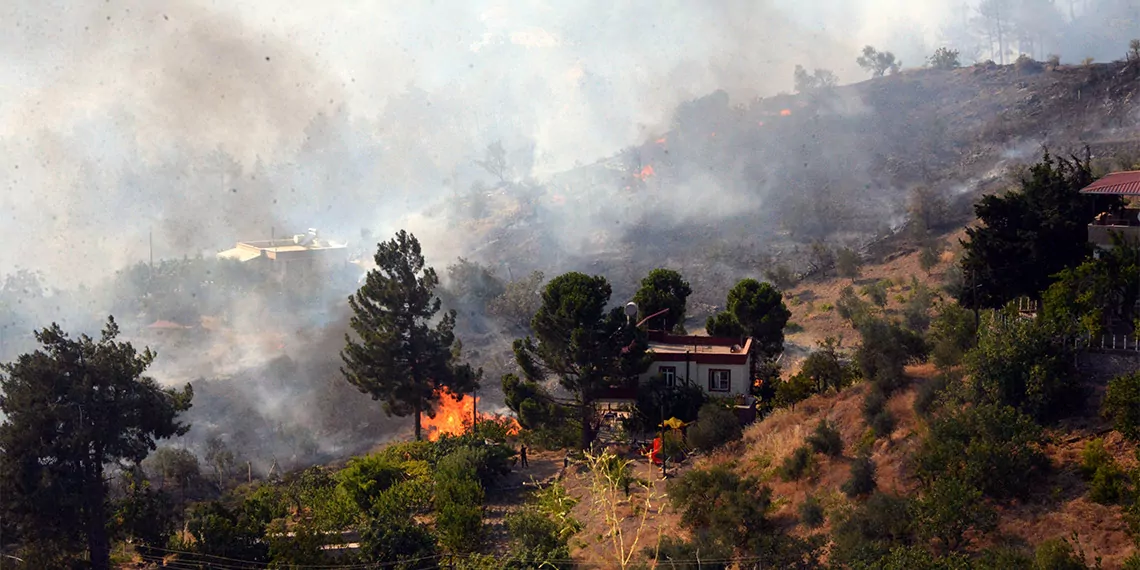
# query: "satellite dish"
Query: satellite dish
{"points": [[631, 309]]}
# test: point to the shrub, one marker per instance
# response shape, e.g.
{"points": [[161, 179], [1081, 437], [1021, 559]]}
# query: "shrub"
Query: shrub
{"points": [[397, 543], [811, 512], [1108, 484], [721, 507], [826, 439], [886, 349], [793, 328], [1060, 554], [1122, 405], [928, 393], [851, 308], [801, 462], [944, 58], [1053, 60], [878, 63], [862, 480], [950, 509], [781, 276], [1026, 64], [459, 502], [865, 534], [883, 423], [929, 256], [995, 449], [848, 263], [877, 292], [951, 335], [716, 426], [535, 540]]}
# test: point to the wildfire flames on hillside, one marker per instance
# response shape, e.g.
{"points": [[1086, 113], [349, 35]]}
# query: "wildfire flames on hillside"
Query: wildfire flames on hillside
{"points": [[645, 173], [453, 416]]}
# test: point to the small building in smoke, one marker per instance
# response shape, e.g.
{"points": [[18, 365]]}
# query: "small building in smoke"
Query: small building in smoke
{"points": [[297, 258], [1121, 218], [720, 366]]}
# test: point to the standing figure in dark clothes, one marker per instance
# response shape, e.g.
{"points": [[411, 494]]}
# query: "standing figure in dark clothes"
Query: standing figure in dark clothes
{"points": [[522, 457]]}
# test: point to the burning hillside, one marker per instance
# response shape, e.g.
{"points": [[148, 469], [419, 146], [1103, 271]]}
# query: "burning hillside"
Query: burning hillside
{"points": [[454, 414]]}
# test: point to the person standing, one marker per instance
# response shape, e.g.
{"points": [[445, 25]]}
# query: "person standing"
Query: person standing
{"points": [[522, 456]]}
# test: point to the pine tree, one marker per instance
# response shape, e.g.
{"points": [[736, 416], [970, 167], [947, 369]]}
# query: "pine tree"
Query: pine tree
{"points": [[71, 408], [398, 355]]}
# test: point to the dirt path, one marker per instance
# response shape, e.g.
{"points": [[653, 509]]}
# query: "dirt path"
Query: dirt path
{"points": [[512, 492]]}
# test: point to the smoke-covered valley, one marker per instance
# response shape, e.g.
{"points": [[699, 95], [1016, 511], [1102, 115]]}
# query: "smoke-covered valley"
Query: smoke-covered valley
{"points": [[634, 135]]}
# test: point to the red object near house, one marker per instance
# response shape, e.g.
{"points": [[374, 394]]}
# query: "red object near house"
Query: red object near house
{"points": [[655, 455]]}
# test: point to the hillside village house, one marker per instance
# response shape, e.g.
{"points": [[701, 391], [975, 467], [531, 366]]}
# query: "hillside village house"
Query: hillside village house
{"points": [[1124, 221], [299, 257], [720, 366]]}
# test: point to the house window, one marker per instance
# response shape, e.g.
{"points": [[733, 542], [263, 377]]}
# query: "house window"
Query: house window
{"points": [[669, 375], [720, 380]]}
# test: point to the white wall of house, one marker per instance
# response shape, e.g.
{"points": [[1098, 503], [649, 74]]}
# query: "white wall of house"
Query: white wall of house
{"points": [[699, 375]]}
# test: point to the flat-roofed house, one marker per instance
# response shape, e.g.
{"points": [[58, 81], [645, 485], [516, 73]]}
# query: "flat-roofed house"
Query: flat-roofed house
{"points": [[720, 366], [298, 257], [1125, 220]]}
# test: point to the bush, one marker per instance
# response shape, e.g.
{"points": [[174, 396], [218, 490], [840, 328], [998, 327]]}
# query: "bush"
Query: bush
{"points": [[848, 263], [397, 543], [1122, 405], [811, 512], [1108, 484], [877, 292], [886, 349], [720, 507], [929, 256], [883, 423], [950, 510], [1026, 64], [1060, 554], [459, 502], [801, 462], [862, 480], [1053, 60], [951, 335], [716, 426], [995, 449], [826, 439], [851, 308], [928, 393], [535, 540], [865, 534], [944, 58], [781, 276], [878, 63]]}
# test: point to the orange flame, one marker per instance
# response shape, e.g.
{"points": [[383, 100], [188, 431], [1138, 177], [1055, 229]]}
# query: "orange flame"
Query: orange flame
{"points": [[661, 140], [760, 123], [453, 416], [786, 113], [645, 172]]}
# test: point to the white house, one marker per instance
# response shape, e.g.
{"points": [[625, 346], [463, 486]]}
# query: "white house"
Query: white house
{"points": [[721, 366]]}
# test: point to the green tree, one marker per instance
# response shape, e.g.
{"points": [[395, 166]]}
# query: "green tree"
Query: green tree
{"points": [[1082, 297], [1019, 362], [848, 263], [581, 342], [716, 425], [824, 367], [397, 355], [519, 301], [794, 390], [720, 507], [862, 481], [995, 449], [950, 509], [71, 408], [663, 289], [878, 62], [951, 335], [1028, 235], [1122, 405], [458, 499], [944, 58], [759, 311]]}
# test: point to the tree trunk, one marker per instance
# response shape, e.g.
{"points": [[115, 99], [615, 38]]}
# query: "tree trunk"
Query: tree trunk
{"points": [[417, 423], [587, 436], [98, 546]]}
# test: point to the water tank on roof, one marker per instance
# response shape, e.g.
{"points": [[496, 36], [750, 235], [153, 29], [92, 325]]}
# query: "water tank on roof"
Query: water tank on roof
{"points": [[736, 348]]}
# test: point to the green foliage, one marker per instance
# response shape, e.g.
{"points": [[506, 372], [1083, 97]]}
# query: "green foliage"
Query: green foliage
{"points": [[1019, 362], [458, 499], [657, 402], [398, 356], [535, 540], [397, 542], [663, 289], [367, 478], [944, 58], [928, 393], [794, 390], [1081, 298], [800, 463], [951, 335], [472, 284], [534, 407], [1122, 405], [229, 531], [916, 310], [878, 63], [950, 510], [1061, 554], [865, 534], [862, 480], [811, 512], [721, 508], [811, 82], [824, 368], [781, 276], [580, 342], [174, 467], [1028, 235], [995, 449], [825, 439], [68, 410], [554, 502], [886, 350], [877, 292], [716, 426], [930, 255], [146, 516], [852, 308], [1108, 483], [848, 263], [759, 310], [519, 301]]}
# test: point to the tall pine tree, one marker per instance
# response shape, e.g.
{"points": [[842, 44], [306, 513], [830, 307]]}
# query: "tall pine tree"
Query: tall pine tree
{"points": [[401, 354], [73, 407], [584, 345]]}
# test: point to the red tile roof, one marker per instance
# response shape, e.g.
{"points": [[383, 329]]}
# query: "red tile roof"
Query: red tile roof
{"points": [[1119, 183]]}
